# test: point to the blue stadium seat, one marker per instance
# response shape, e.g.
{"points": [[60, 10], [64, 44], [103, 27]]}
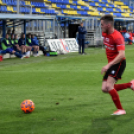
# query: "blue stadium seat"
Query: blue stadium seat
{"points": [[110, 5], [118, 10], [117, 14], [22, 3], [4, 9], [15, 8], [85, 8], [33, 10], [102, 5], [92, 4], [27, 10], [109, 9], [95, 0], [100, 9], [22, 9]]}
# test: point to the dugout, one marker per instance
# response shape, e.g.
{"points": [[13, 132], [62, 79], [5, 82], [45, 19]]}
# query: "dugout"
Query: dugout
{"points": [[20, 23]]}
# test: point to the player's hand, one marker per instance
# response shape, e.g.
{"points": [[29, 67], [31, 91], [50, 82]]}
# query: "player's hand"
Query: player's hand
{"points": [[105, 68]]}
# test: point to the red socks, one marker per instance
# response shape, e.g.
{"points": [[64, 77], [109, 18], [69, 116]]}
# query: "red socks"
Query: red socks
{"points": [[115, 98], [122, 86]]}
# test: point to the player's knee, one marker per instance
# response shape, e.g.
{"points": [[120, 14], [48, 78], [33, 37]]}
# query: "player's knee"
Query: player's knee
{"points": [[104, 90], [108, 87]]}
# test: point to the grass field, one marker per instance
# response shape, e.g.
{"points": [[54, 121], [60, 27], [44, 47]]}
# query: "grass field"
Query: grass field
{"points": [[67, 94]]}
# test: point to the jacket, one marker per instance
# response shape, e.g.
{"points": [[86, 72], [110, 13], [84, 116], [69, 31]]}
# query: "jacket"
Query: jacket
{"points": [[82, 31]]}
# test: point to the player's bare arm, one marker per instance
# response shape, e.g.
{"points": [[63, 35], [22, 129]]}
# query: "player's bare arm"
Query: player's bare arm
{"points": [[119, 57]]}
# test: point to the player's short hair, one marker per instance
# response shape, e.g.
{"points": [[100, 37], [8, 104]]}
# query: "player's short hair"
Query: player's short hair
{"points": [[22, 35], [108, 18]]}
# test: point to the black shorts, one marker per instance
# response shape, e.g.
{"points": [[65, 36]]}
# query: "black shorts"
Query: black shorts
{"points": [[116, 70]]}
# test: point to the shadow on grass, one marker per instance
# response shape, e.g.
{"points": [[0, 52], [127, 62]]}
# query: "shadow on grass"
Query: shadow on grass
{"points": [[105, 125]]}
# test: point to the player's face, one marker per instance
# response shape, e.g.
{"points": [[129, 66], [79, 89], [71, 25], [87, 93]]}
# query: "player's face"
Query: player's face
{"points": [[104, 26], [23, 36]]}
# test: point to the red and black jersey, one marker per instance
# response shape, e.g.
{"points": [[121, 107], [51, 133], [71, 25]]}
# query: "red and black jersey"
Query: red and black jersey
{"points": [[113, 43]]}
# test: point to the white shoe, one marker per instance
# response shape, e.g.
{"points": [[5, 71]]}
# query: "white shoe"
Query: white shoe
{"points": [[22, 57], [119, 112]]}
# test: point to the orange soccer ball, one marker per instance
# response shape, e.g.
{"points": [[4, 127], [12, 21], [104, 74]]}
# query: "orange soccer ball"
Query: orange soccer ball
{"points": [[27, 106]]}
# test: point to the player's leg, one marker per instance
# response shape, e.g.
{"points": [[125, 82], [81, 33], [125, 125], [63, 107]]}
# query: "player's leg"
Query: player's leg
{"points": [[104, 89], [37, 47], [118, 75], [16, 53], [114, 95], [83, 46], [123, 86], [80, 45], [28, 50], [34, 50], [23, 49]]}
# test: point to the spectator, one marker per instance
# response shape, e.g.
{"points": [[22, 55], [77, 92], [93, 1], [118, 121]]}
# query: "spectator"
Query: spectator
{"points": [[36, 43], [131, 36], [16, 44], [13, 31], [7, 47], [9, 33], [128, 38], [23, 46], [81, 38], [35, 48]]}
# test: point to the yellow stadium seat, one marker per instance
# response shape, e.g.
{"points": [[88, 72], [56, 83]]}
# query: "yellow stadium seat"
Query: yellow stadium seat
{"points": [[125, 7], [68, 6], [79, 7], [96, 4], [118, 3], [28, 3], [38, 10], [70, 1], [54, 5], [1, 3], [104, 9], [10, 8], [47, 1]]}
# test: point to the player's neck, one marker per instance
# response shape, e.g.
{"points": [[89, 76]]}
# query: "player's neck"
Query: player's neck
{"points": [[111, 30]]}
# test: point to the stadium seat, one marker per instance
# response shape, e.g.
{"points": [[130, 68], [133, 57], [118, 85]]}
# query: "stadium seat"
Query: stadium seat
{"points": [[27, 3], [3, 9], [3, 2], [10, 9]]}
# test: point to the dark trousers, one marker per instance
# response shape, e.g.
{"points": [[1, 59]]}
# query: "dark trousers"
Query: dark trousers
{"points": [[43, 50], [81, 45]]}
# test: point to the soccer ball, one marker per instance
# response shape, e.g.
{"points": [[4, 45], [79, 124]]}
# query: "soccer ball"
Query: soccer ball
{"points": [[27, 106]]}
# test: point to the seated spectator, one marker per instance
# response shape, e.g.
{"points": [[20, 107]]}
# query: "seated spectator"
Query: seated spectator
{"points": [[35, 47], [16, 44], [7, 47], [131, 37], [128, 38], [9, 33], [36, 43], [25, 49]]}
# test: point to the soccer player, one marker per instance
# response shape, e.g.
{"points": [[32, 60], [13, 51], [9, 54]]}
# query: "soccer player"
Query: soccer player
{"points": [[115, 51]]}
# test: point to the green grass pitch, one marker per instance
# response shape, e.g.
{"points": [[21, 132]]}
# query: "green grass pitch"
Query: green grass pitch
{"points": [[67, 94]]}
